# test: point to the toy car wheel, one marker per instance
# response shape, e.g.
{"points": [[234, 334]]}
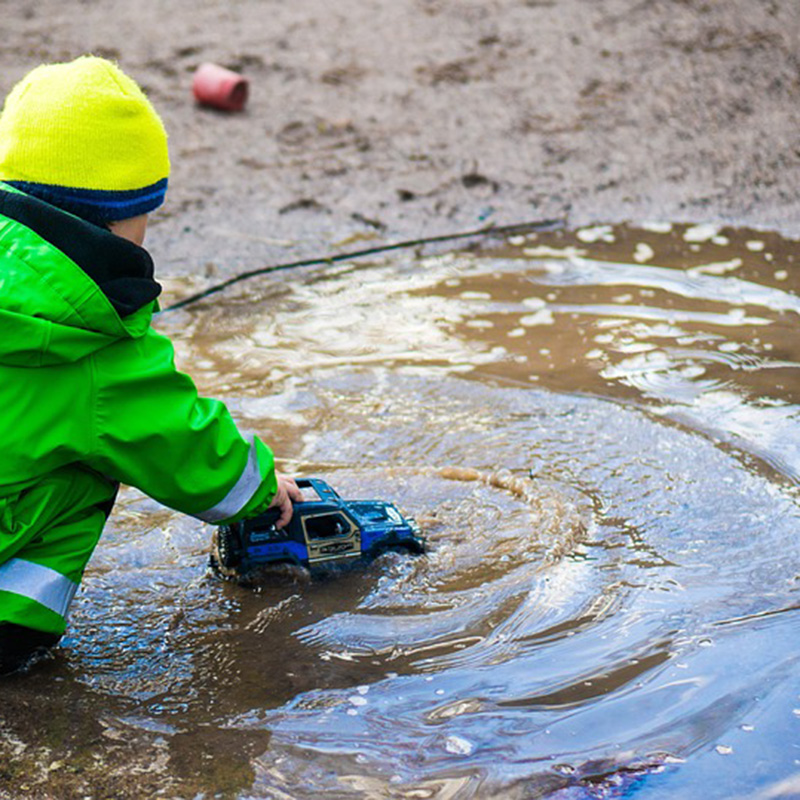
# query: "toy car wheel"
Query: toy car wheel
{"points": [[413, 545], [225, 552]]}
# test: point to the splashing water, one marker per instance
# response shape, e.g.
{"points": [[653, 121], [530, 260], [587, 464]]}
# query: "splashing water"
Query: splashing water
{"points": [[598, 432]]}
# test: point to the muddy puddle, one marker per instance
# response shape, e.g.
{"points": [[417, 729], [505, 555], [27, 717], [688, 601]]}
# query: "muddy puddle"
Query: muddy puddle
{"points": [[598, 431]]}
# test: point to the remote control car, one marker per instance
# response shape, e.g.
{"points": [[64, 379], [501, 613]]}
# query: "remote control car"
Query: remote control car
{"points": [[324, 529]]}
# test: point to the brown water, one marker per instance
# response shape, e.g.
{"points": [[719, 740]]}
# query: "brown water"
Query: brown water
{"points": [[598, 431]]}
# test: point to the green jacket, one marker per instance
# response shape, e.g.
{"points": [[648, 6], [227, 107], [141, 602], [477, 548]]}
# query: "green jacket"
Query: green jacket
{"points": [[85, 380]]}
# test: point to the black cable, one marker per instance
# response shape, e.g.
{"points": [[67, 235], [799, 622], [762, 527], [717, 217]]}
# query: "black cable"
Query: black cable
{"points": [[504, 230]]}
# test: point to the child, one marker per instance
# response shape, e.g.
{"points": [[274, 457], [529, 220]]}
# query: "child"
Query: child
{"points": [[88, 390]]}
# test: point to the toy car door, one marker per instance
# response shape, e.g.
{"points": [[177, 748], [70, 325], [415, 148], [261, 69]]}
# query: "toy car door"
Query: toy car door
{"points": [[331, 536]]}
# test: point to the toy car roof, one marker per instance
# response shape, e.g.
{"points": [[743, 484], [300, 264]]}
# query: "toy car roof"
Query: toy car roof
{"points": [[326, 499], [325, 493]]}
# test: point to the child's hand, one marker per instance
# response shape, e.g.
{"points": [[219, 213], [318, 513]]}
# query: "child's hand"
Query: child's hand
{"points": [[288, 491]]}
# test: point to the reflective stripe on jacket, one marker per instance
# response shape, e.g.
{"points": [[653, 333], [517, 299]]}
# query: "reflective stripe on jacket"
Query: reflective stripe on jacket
{"points": [[39, 583]]}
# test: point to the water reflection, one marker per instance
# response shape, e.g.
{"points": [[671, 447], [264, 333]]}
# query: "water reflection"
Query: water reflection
{"points": [[597, 431]]}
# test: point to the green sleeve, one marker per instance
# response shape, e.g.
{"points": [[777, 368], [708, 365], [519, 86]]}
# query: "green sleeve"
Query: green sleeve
{"points": [[154, 432]]}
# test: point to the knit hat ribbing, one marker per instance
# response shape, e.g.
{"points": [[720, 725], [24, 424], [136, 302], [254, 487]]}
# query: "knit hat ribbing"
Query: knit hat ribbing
{"points": [[83, 136]]}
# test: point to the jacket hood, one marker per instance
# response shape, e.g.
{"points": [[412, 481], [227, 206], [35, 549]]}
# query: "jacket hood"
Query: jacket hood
{"points": [[67, 287]]}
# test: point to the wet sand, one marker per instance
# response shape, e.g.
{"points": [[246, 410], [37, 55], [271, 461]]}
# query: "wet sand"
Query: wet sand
{"points": [[404, 118]]}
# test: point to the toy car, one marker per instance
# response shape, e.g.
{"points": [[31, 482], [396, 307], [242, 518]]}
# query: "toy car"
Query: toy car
{"points": [[324, 529]]}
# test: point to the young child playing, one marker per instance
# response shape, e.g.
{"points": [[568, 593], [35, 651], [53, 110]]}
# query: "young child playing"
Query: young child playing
{"points": [[89, 393]]}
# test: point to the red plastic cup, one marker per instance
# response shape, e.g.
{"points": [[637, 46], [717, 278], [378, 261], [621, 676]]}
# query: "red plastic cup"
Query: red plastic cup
{"points": [[220, 88]]}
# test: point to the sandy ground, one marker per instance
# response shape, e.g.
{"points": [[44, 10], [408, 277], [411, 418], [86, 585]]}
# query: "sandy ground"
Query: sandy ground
{"points": [[379, 120]]}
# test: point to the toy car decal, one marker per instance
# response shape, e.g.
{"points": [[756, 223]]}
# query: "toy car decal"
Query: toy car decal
{"points": [[338, 547]]}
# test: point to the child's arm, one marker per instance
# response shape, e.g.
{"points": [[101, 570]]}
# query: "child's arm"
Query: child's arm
{"points": [[155, 433]]}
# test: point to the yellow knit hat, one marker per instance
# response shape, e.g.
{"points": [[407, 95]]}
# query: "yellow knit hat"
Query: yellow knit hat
{"points": [[83, 136]]}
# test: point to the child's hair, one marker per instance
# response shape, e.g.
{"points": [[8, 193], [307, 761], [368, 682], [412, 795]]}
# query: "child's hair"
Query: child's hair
{"points": [[84, 137]]}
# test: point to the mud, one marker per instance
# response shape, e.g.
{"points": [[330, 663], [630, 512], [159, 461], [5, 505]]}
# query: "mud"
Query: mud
{"points": [[404, 118]]}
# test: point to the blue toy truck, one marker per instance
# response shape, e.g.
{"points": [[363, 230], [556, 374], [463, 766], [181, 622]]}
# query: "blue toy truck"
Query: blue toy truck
{"points": [[324, 529]]}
